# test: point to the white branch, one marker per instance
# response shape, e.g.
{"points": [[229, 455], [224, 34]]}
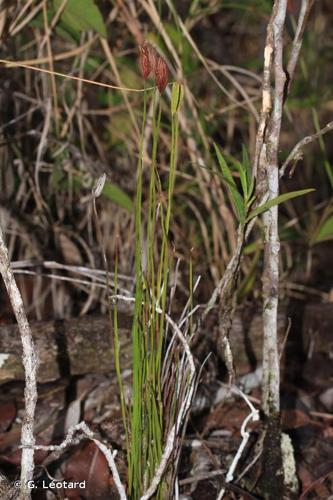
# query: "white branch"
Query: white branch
{"points": [[109, 455], [30, 369]]}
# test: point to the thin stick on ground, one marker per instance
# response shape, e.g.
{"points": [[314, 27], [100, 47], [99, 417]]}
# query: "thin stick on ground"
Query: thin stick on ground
{"points": [[30, 368], [109, 455], [253, 416]]}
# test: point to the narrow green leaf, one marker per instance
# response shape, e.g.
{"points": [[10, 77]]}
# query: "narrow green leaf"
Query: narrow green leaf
{"points": [[81, 15], [248, 167], [243, 178], [114, 193], [226, 172], [276, 201], [325, 231], [237, 198], [176, 97]]}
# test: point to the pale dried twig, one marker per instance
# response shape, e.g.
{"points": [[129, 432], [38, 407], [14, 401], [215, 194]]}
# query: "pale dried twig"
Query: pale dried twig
{"points": [[297, 42], [296, 153], [254, 417], [109, 455], [30, 367]]}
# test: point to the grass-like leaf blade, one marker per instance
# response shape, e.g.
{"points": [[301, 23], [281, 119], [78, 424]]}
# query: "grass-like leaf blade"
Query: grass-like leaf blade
{"points": [[237, 198]]}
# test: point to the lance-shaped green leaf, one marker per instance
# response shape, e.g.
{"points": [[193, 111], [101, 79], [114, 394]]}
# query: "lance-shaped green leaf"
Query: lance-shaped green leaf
{"points": [[248, 168], [276, 201], [243, 178], [236, 197], [117, 195]]}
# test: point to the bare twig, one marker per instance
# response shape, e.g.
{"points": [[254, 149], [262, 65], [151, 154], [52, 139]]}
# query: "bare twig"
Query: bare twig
{"points": [[296, 153], [109, 455], [297, 42], [30, 368]]}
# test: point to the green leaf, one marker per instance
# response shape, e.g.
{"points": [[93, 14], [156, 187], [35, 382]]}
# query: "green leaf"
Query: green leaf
{"points": [[114, 193], [176, 97], [248, 167], [276, 201], [243, 178], [325, 231], [226, 172], [81, 15], [228, 178]]}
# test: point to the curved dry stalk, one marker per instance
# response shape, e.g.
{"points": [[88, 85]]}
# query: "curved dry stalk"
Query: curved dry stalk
{"points": [[56, 57], [14, 29], [19, 64]]}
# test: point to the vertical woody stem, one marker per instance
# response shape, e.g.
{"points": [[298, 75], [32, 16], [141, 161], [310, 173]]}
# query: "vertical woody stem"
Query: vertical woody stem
{"points": [[271, 369], [267, 171]]}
